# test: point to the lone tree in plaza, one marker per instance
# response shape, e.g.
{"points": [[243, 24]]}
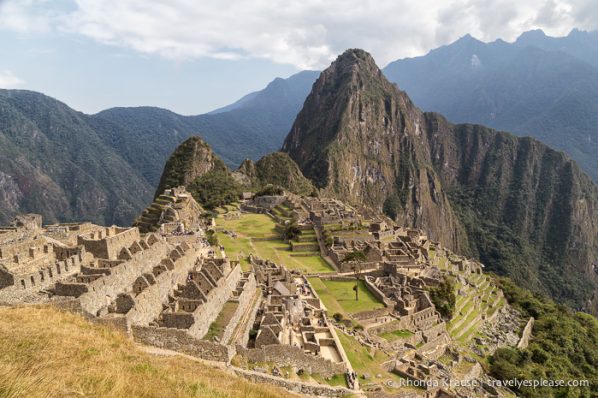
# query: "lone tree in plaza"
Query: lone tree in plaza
{"points": [[355, 257]]}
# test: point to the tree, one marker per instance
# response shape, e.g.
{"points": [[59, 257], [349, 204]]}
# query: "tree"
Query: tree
{"points": [[443, 297], [270, 190], [355, 257], [291, 231], [215, 188]]}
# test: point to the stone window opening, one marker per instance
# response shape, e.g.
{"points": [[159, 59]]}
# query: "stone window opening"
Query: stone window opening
{"points": [[58, 268], [41, 276], [23, 283], [32, 281]]}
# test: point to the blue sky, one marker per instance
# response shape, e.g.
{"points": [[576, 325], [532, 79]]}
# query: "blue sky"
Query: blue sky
{"points": [[91, 76], [192, 57]]}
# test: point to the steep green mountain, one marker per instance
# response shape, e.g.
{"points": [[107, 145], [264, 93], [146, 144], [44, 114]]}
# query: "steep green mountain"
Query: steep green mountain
{"points": [[360, 139], [194, 165], [537, 86], [53, 162], [190, 160], [564, 347], [524, 209], [277, 169]]}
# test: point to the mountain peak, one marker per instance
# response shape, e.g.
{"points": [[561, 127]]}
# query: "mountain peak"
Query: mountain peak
{"points": [[351, 63], [356, 54], [467, 40], [531, 36]]}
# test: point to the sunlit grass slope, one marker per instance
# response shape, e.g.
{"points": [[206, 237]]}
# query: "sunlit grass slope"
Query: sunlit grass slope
{"points": [[48, 353]]}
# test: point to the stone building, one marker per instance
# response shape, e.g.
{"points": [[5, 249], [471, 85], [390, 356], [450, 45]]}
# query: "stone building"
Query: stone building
{"points": [[31, 260], [292, 316], [174, 211], [197, 303]]}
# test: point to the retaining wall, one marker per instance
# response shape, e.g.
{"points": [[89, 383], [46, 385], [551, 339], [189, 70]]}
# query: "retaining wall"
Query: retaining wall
{"points": [[316, 390], [285, 355], [244, 299], [181, 341]]}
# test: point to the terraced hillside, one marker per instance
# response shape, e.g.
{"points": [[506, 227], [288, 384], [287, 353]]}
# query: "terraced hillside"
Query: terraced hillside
{"points": [[242, 234]]}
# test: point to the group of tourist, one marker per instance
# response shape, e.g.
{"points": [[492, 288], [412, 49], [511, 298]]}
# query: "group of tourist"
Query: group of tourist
{"points": [[351, 378]]}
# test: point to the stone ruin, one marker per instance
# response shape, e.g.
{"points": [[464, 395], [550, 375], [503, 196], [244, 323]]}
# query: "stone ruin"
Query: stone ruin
{"points": [[175, 211], [262, 204], [330, 211], [292, 328], [164, 289], [161, 282], [32, 260]]}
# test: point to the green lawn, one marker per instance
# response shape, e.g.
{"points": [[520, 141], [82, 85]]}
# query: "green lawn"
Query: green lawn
{"points": [[254, 225], [250, 226], [363, 362], [339, 296], [396, 335]]}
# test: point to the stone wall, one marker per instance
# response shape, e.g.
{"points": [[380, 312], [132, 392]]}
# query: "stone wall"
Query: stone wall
{"points": [[284, 355], [43, 277], [304, 247], [181, 341], [377, 313], [527, 333], [377, 292], [101, 291], [434, 331], [244, 299], [395, 324], [207, 313], [249, 325], [148, 303], [109, 242], [435, 348], [315, 390]]}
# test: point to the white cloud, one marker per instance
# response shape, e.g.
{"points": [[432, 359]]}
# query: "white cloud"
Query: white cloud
{"points": [[305, 33], [9, 80]]}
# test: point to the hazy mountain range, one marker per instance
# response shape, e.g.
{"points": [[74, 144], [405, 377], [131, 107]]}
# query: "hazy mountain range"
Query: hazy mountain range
{"points": [[539, 86], [105, 167]]}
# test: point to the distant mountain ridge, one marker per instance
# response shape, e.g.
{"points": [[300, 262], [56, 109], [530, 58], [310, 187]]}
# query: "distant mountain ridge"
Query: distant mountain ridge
{"points": [[106, 167], [538, 86], [523, 209], [53, 162]]}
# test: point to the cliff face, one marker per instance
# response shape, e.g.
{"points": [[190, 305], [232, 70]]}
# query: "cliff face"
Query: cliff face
{"points": [[528, 210], [360, 139], [190, 160], [521, 207]]}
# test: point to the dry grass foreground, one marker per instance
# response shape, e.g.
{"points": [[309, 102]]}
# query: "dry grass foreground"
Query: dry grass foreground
{"points": [[48, 353]]}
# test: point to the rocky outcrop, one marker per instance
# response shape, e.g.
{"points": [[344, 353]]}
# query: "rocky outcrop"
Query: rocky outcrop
{"points": [[522, 208]]}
